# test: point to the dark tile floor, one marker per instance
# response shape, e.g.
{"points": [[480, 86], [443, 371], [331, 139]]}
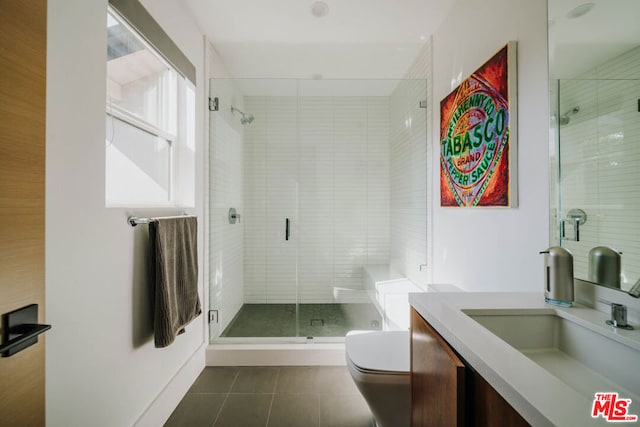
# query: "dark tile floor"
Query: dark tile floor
{"points": [[285, 396], [315, 320]]}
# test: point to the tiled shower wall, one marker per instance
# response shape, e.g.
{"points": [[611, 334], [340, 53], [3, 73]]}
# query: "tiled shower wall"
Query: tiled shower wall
{"points": [[408, 170], [338, 208], [600, 161]]}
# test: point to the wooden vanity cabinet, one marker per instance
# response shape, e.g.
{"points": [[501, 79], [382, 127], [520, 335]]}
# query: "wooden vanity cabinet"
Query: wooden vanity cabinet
{"points": [[438, 388], [490, 408], [445, 391]]}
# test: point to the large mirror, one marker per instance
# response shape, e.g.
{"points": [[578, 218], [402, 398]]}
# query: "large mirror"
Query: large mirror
{"points": [[594, 71]]}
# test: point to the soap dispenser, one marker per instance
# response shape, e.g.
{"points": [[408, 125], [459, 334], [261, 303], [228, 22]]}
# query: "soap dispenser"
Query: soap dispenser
{"points": [[558, 274], [604, 266]]}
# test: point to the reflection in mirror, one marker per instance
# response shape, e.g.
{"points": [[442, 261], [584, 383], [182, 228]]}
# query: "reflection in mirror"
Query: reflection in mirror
{"points": [[594, 71]]}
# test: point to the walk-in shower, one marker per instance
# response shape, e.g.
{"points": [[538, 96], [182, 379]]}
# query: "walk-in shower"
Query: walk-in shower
{"points": [[310, 182]]}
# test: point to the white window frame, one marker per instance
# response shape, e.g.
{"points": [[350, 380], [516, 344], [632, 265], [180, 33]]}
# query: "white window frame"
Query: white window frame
{"points": [[177, 142]]}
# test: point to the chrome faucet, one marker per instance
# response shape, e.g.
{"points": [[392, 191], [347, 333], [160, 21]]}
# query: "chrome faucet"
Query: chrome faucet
{"points": [[619, 316]]}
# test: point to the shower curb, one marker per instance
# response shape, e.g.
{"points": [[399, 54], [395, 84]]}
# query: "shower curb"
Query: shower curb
{"points": [[275, 355]]}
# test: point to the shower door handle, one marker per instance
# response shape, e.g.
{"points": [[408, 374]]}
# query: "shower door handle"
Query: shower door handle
{"points": [[286, 228]]}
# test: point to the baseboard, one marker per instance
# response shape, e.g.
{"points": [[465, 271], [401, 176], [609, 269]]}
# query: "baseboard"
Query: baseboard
{"points": [[161, 408], [275, 355]]}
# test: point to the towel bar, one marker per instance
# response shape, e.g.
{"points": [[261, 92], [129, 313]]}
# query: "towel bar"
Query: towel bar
{"points": [[135, 220]]}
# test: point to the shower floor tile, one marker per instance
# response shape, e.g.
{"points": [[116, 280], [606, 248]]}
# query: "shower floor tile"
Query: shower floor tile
{"points": [[316, 320]]}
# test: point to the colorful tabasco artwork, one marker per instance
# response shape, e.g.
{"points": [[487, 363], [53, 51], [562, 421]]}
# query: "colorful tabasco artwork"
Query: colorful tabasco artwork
{"points": [[478, 136]]}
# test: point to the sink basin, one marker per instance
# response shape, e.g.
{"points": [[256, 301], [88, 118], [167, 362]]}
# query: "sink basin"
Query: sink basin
{"points": [[588, 357]]}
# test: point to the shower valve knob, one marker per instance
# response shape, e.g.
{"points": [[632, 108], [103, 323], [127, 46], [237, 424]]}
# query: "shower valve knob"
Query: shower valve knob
{"points": [[234, 216]]}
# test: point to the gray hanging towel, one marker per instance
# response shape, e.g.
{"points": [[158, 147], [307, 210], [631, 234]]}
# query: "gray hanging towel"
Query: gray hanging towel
{"points": [[175, 259]]}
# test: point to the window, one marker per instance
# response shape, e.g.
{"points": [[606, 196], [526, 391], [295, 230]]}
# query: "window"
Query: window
{"points": [[150, 119]]}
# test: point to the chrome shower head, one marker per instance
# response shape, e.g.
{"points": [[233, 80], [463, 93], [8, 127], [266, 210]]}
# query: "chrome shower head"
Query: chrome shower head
{"points": [[245, 119], [566, 117]]}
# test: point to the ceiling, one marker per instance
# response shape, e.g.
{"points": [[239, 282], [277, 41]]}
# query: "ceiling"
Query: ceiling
{"points": [[580, 44], [282, 39], [379, 39]]}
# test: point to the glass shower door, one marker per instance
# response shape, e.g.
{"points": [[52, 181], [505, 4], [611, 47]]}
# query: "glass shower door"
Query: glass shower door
{"points": [[270, 180]]}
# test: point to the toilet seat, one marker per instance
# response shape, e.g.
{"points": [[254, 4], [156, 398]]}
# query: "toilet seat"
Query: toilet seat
{"points": [[378, 353]]}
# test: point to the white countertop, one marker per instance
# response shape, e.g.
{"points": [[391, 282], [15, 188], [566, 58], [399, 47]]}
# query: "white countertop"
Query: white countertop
{"points": [[541, 398]]}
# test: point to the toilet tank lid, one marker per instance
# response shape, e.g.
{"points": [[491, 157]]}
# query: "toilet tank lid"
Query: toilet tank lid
{"points": [[379, 350]]}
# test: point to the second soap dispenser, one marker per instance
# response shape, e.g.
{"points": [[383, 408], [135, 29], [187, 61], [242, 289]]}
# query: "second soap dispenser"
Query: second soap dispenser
{"points": [[558, 276]]}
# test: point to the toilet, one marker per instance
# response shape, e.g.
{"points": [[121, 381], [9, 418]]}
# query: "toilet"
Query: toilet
{"points": [[379, 364]]}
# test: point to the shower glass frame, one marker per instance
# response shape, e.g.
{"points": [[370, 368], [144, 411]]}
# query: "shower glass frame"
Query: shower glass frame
{"points": [[285, 98]]}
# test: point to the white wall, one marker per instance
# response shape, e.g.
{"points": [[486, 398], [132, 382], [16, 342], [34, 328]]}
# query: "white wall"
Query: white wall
{"points": [[102, 367], [495, 249]]}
